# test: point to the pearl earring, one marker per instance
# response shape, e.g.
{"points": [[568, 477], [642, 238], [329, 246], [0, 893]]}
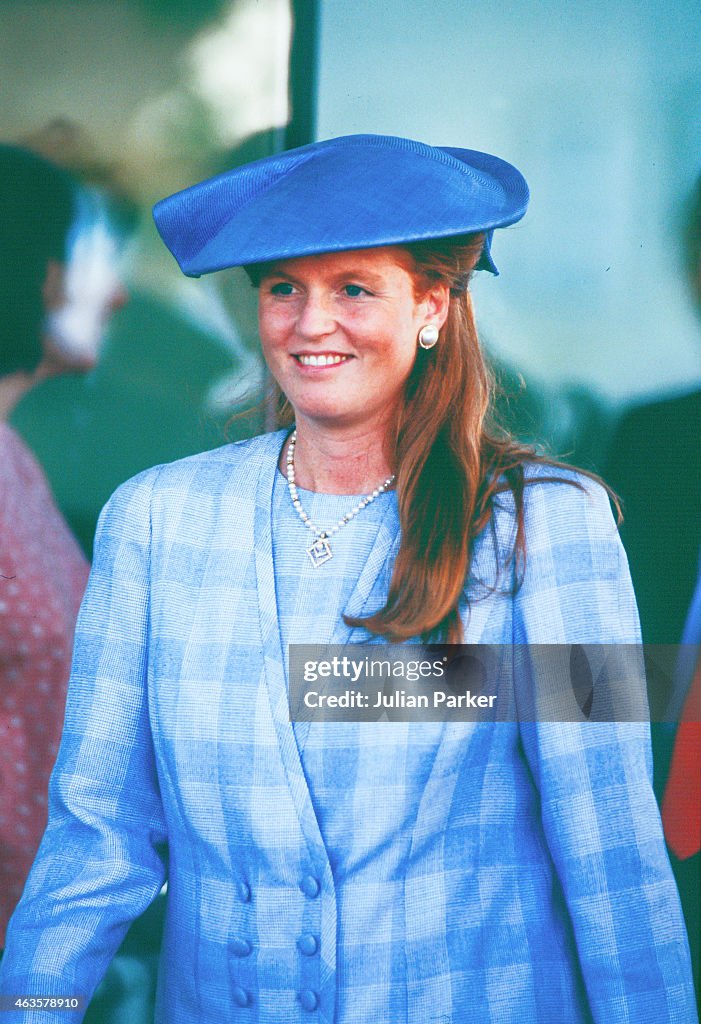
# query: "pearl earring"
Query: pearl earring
{"points": [[428, 336]]}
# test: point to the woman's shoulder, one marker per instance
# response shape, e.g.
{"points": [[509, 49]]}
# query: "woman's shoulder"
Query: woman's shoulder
{"points": [[559, 500], [563, 503], [231, 464], [194, 483], [567, 520], [574, 585]]}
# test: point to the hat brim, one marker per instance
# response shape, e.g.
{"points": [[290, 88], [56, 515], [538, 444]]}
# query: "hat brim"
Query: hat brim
{"points": [[352, 193]]}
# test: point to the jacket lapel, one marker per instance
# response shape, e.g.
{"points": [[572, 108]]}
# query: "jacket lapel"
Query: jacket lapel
{"points": [[275, 659]]}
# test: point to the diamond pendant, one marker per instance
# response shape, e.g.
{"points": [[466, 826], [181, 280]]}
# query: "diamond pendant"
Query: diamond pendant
{"points": [[320, 551]]}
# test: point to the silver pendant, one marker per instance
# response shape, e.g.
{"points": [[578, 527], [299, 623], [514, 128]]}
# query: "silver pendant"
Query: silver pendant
{"points": [[319, 551]]}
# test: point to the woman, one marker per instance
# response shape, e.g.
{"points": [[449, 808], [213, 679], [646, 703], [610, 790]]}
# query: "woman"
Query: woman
{"points": [[352, 871]]}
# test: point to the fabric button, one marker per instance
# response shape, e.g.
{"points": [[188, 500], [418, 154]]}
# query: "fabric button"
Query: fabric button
{"points": [[244, 892], [309, 999], [310, 886], [241, 996], [307, 944], [240, 947]]}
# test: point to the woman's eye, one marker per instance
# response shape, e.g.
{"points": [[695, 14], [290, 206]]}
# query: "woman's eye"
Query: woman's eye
{"points": [[282, 288], [353, 291]]}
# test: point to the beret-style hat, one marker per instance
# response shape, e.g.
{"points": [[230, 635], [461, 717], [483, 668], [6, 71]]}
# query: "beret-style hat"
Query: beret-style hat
{"points": [[352, 192]]}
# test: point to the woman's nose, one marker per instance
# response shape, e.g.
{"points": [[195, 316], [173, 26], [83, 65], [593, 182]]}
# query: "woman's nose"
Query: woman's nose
{"points": [[316, 318]]}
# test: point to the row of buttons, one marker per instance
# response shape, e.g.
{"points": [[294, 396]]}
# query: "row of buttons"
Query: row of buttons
{"points": [[308, 998], [307, 944], [309, 885]]}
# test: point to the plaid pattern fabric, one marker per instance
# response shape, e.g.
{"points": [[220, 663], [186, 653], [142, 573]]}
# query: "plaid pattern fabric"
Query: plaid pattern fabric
{"points": [[528, 881]]}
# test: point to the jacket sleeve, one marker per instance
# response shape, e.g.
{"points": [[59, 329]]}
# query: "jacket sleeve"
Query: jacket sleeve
{"points": [[594, 778], [102, 859]]}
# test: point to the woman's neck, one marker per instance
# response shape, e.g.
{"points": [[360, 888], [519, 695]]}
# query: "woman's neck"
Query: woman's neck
{"points": [[338, 463]]}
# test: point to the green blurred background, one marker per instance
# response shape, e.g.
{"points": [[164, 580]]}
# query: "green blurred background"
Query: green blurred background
{"points": [[598, 103]]}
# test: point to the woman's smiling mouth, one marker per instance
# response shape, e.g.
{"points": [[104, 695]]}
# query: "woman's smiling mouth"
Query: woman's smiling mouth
{"points": [[322, 359]]}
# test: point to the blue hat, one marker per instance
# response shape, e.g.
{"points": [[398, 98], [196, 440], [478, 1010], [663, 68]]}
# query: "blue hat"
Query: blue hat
{"points": [[353, 192]]}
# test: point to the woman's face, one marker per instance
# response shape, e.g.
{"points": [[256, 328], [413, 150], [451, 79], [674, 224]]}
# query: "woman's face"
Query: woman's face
{"points": [[339, 332]]}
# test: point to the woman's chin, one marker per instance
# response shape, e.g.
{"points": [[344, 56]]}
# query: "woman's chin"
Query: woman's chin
{"points": [[325, 416]]}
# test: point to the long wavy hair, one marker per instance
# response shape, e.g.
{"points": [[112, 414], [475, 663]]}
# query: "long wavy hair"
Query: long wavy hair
{"points": [[452, 460]]}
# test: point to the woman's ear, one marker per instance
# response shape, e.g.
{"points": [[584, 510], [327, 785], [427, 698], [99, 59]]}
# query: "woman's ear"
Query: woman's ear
{"points": [[436, 302], [53, 290]]}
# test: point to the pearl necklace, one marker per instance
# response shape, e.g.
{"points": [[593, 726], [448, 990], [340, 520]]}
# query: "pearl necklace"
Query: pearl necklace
{"points": [[319, 550]]}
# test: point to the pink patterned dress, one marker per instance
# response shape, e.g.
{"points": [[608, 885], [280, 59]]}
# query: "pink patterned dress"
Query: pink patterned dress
{"points": [[42, 578]]}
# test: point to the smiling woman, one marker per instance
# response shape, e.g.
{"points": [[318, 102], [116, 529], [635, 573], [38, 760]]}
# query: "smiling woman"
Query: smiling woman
{"points": [[496, 872]]}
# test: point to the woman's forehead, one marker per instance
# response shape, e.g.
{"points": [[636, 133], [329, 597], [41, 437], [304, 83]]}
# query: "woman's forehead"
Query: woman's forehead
{"points": [[383, 260]]}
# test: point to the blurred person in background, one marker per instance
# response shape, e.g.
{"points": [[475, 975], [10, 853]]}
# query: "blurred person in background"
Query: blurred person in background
{"points": [[655, 466], [149, 400], [58, 287]]}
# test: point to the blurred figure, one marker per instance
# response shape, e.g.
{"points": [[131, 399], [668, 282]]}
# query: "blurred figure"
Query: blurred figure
{"points": [[150, 398], [92, 288], [57, 289], [75, 342], [655, 466]]}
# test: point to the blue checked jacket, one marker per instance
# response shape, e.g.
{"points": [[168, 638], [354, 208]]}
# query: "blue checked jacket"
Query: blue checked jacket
{"points": [[535, 887]]}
